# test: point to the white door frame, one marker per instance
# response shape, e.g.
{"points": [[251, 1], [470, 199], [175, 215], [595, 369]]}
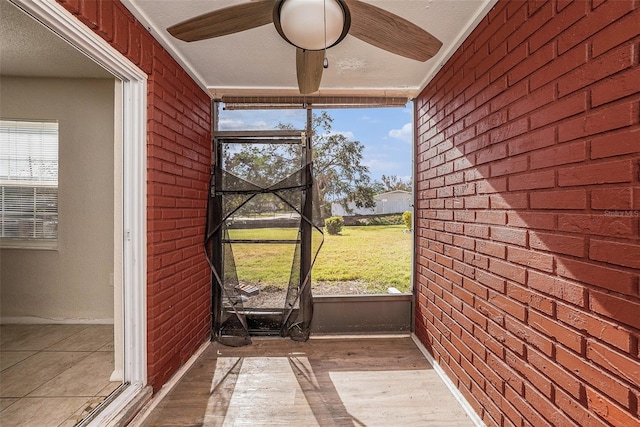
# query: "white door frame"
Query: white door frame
{"points": [[134, 107]]}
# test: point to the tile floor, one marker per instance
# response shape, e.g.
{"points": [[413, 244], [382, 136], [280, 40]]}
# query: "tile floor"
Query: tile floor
{"points": [[53, 375]]}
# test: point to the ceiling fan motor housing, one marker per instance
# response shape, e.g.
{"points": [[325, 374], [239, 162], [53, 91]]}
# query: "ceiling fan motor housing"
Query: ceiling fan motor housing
{"points": [[312, 24]]}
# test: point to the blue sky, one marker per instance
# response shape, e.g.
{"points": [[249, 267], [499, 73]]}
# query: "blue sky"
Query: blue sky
{"points": [[384, 132]]}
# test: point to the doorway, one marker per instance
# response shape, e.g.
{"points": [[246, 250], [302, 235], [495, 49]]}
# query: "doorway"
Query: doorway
{"points": [[261, 208], [124, 231]]}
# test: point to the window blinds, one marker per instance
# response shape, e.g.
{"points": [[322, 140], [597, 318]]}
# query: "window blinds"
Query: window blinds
{"points": [[29, 179]]}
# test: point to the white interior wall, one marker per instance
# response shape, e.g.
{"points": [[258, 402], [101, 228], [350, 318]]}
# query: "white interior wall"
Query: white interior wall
{"points": [[74, 282]]}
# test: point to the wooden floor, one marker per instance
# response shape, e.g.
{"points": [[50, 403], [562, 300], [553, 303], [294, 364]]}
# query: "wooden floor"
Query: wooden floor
{"points": [[323, 382]]}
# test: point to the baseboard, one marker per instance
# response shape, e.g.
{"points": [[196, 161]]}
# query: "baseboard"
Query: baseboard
{"points": [[475, 418], [117, 375], [33, 320]]}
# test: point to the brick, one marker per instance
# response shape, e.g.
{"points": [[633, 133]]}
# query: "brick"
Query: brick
{"points": [[556, 331], [559, 155], [616, 87], [608, 410], [620, 309], [615, 362], [524, 408], [532, 220], [533, 62], [509, 166], [624, 254], [562, 289], [530, 336], [617, 33], [509, 201], [508, 96], [533, 180], [507, 270], [615, 144], [475, 288], [490, 280], [509, 235], [490, 91], [592, 375], [121, 30], [516, 15], [596, 224], [596, 70], [557, 243], [556, 26], [509, 306], [555, 373], [511, 343], [89, 12], [600, 120], [491, 121], [597, 327], [509, 130], [532, 259], [476, 202], [492, 185], [565, 199], [530, 298], [576, 410], [481, 231], [491, 217], [532, 141], [612, 199], [490, 343], [537, 18], [598, 173], [507, 62], [559, 110], [532, 101], [561, 65], [594, 22]]}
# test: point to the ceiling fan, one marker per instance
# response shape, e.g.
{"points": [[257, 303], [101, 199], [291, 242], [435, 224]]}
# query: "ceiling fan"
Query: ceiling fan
{"points": [[313, 26]]}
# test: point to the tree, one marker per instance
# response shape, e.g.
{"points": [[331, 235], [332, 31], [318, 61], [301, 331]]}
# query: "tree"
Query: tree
{"points": [[392, 183], [338, 172]]}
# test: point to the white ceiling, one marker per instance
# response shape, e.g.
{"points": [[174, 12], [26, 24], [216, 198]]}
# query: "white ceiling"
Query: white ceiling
{"points": [[254, 62], [259, 61], [29, 49]]}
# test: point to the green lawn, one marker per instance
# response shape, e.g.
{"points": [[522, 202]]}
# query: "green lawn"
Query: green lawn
{"points": [[379, 256]]}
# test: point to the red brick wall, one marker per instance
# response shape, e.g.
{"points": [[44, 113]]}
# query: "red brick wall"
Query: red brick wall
{"points": [[178, 164], [528, 208]]}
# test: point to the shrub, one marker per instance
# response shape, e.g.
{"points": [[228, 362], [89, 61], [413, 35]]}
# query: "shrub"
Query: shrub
{"points": [[385, 220], [406, 217], [334, 224]]}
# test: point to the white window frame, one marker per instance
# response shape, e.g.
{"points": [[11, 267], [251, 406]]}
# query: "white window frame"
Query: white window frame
{"points": [[134, 106], [11, 181]]}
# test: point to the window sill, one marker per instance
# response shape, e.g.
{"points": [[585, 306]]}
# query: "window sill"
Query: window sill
{"points": [[43, 245]]}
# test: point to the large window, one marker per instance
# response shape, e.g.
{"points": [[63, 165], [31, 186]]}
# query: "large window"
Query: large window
{"points": [[29, 183]]}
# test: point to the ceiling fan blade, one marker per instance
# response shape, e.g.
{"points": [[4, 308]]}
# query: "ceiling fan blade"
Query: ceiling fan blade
{"points": [[229, 20], [390, 32], [309, 66]]}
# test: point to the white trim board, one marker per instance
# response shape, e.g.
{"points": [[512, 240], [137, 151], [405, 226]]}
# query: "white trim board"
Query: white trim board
{"points": [[134, 107], [475, 418]]}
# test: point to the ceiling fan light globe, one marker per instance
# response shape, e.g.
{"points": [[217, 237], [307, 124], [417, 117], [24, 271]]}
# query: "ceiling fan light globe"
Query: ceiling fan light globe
{"points": [[303, 22]]}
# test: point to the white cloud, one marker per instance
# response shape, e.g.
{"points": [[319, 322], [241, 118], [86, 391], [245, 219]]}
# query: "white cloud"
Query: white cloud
{"points": [[403, 134], [347, 134], [258, 119]]}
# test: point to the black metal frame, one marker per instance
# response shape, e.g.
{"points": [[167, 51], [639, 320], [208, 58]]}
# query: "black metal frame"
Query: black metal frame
{"points": [[261, 321]]}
